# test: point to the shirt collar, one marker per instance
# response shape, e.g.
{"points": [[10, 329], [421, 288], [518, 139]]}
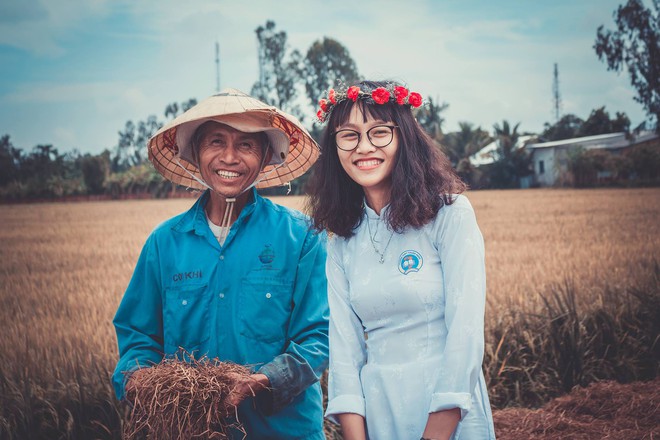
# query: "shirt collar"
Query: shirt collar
{"points": [[195, 218], [371, 214]]}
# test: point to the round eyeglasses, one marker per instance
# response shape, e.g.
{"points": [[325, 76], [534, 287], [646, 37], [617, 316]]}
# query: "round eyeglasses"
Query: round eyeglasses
{"points": [[380, 136]]}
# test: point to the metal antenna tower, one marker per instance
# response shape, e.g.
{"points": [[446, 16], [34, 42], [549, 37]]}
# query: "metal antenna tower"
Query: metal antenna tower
{"points": [[555, 94]]}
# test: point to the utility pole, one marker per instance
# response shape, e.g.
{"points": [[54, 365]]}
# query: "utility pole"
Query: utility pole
{"points": [[217, 67], [555, 94]]}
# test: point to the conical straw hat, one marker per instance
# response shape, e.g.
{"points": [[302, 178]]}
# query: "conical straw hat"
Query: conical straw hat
{"points": [[294, 150]]}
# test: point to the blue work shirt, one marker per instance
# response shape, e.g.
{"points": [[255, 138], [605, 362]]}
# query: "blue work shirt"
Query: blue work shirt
{"points": [[260, 300]]}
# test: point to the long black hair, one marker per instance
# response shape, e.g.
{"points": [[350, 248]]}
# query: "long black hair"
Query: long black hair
{"points": [[423, 179]]}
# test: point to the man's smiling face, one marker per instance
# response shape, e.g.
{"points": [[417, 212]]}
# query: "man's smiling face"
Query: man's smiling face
{"points": [[230, 160]]}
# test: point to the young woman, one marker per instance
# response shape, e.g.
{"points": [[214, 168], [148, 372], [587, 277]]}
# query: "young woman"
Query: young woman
{"points": [[406, 274]]}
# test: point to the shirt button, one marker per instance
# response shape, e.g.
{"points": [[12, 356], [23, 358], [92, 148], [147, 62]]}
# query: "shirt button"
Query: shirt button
{"points": [[222, 257], [268, 295], [222, 295], [184, 302]]}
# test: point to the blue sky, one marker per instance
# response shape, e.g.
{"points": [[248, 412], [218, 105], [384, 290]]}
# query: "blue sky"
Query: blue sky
{"points": [[72, 72]]}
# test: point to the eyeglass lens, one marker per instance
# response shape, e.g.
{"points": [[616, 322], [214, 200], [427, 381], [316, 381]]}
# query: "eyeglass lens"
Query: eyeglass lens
{"points": [[380, 136]]}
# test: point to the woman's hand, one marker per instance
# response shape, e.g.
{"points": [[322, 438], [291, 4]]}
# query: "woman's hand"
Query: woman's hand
{"points": [[352, 426], [442, 424]]}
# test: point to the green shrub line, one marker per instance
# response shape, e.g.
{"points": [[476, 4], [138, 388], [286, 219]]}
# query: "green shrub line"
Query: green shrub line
{"points": [[530, 358]]}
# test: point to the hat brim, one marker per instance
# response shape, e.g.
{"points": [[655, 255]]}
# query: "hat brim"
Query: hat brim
{"points": [[294, 150]]}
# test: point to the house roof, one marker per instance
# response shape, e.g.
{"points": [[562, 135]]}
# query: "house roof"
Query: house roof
{"points": [[600, 141], [487, 154], [609, 141]]}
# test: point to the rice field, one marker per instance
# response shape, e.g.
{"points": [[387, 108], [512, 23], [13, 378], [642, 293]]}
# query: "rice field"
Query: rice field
{"points": [[550, 254]]}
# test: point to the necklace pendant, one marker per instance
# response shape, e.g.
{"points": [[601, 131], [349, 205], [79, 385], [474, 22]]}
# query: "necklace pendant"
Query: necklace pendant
{"points": [[382, 259]]}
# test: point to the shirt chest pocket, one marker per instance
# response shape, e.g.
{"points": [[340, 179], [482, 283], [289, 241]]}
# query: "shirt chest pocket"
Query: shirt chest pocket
{"points": [[186, 317], [265, 308]]}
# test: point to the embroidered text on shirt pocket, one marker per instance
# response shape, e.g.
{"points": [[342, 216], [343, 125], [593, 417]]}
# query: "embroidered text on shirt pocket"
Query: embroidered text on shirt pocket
{"points": [[265, 308], [186, 317]]}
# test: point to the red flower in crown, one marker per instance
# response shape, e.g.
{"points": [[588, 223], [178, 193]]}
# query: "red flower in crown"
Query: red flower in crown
{"points": [[323, 104], [415, 99], [320, 116], [400, 93], [381, 95], [331, 96], [353, 92]]}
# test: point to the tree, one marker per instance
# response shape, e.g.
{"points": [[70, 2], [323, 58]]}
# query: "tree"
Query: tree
{"points": [[187, 105], [462, 144], [585, 165], [512, 162], [599, 122], [127, 153], [44, 171], [566, 128], [95, 170], [43, 162], [10, 158], [278, 78], [431, 119], [132, 146], [645, 161], [173, 109], [327, 62], [635, 45]]}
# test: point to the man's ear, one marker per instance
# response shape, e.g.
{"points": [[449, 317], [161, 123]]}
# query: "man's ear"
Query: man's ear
{"points": [[269, 155]]}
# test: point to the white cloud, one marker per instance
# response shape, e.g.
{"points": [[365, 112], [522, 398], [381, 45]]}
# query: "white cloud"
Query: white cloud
{"points": [[21, 11], [40, 25]]}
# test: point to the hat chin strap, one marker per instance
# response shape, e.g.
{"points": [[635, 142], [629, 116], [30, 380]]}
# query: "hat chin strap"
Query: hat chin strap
{"points": [[230, 201]]}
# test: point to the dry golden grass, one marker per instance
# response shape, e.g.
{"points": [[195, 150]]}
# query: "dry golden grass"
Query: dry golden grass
{"points": [[184, 399], [535, 238], [64, 267]]}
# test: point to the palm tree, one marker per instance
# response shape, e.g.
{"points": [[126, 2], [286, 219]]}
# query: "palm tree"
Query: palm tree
{"points": [[513, 162], [431, 119], [506, 137], [460, 145]]}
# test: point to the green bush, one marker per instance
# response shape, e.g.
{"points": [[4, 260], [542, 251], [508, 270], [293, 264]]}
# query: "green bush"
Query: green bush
{"points": [[645, 162]]}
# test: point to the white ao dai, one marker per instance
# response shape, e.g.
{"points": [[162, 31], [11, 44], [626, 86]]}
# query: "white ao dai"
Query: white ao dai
{"points": [[407, 336]]}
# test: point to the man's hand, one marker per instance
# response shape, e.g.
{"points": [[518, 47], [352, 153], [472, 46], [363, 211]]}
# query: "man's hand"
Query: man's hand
{"points": [[247, 387], [133, 382]]}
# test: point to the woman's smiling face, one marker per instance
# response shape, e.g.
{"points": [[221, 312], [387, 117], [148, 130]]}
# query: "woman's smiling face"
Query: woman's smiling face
{"points": [[369, 166]]}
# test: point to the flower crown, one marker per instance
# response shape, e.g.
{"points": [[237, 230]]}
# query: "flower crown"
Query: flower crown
{"points": [[380, 95]]}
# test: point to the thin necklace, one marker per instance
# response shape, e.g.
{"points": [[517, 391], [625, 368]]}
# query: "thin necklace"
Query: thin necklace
{"points": [[372, 238]]}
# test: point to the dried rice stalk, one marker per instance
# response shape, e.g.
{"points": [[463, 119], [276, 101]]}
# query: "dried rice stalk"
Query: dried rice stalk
{"points": [[178, 400]]}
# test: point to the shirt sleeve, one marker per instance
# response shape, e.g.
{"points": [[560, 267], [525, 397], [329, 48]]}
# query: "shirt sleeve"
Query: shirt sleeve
{"points": [[306, 355], [461, 248], [347, 344], [138, 321]]}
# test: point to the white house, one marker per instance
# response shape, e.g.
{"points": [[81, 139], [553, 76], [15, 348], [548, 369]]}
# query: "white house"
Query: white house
{"points": [[550, 159]]}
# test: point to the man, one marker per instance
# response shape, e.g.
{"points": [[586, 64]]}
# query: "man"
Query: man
{"points": [[236, 277]]}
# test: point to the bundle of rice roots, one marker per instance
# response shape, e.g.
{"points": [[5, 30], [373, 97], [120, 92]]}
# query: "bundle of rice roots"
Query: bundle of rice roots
{"points": [[183, 400]]}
